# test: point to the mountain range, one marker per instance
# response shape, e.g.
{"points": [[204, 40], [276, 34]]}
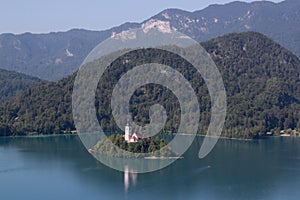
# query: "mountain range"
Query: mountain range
{"points": [[261, 79], [55, 55]]}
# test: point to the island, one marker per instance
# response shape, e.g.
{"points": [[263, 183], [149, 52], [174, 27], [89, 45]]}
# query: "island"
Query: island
{"points": [[132, 142]]}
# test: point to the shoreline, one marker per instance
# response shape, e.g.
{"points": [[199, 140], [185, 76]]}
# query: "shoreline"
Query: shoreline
{"points": [[180, 134], [39, 136], [162, 157], [221, 137]]}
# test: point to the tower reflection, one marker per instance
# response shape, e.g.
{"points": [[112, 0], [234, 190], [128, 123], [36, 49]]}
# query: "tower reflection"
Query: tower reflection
{"points": [[130, 178]]}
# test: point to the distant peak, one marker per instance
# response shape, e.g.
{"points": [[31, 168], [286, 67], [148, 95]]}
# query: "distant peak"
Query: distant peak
{"points": [[162, 26], [174, 10]]}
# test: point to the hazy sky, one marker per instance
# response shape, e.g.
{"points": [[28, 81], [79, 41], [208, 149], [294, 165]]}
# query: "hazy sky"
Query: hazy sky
{"points": [[18, 16]]}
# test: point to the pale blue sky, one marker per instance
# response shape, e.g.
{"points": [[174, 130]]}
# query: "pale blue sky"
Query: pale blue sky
{"points": [[39, 16]]}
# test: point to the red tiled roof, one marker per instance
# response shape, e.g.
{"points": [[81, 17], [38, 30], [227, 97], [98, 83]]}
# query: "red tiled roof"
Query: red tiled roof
{"points": [[139, 135]]}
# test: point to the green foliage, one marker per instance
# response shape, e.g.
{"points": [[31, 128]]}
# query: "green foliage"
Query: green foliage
{"points": [[13, 83], [4, 130], [146, 145], [261, 80], [262, 84], [42, 109]]}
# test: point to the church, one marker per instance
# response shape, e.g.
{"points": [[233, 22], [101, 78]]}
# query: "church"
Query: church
{"points": [[129, 136]]}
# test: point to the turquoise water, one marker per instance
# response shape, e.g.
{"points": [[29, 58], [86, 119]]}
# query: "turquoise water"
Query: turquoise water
{"points": [[59, 167]]}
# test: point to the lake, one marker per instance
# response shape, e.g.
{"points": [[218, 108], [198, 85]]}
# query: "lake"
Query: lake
{"points": [[59, 167]]}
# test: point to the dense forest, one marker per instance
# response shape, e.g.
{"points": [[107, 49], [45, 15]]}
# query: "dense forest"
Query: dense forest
{"points": [[261, 80], [145, 145], [12, 83]]}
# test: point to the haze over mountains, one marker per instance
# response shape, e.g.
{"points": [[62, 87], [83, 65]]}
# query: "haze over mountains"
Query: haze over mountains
{"points": [[55, 55], [254, 68]]}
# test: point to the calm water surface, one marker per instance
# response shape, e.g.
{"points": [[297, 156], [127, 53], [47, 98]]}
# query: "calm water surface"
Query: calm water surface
{"points": [[59, 167]]}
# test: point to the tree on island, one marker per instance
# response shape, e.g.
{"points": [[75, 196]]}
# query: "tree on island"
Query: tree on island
{"points": [[153, 146]]}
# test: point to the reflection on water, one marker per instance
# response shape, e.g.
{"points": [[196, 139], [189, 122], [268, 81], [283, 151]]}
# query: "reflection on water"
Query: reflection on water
{"points": [[130, 177], [61, 168]]}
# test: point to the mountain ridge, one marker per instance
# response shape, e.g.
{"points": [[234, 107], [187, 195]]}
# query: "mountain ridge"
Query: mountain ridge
{"points": [[254, 69], [55, 55]]}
